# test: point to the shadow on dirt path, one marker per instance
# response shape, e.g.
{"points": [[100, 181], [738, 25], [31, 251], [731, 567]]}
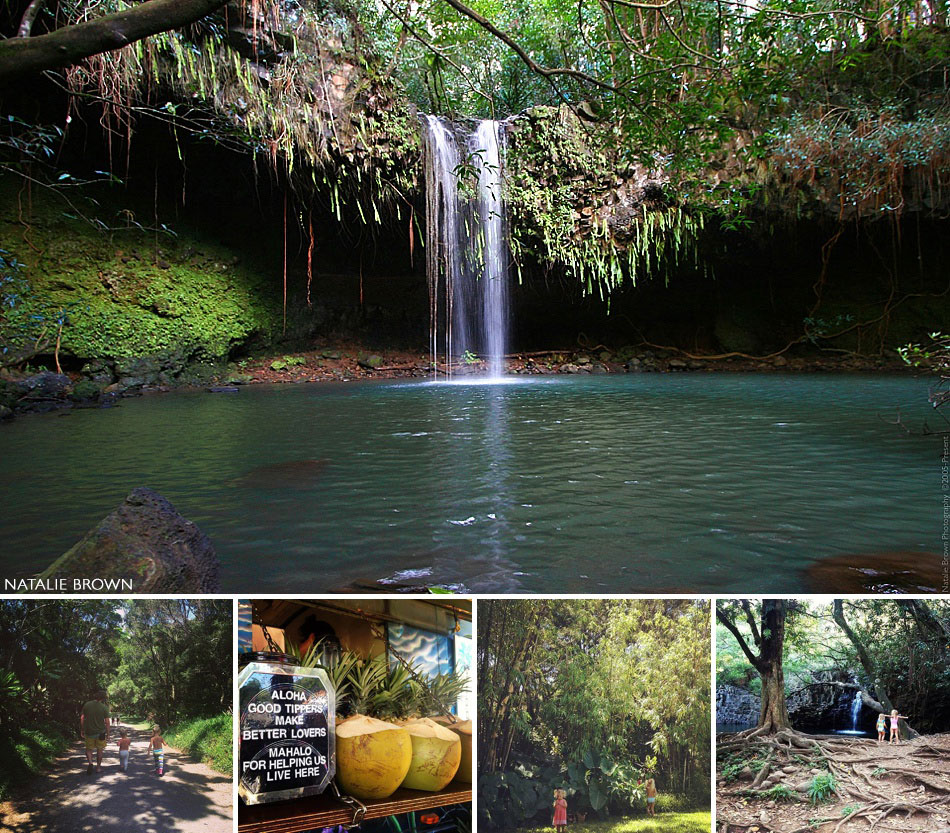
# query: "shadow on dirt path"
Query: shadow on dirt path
{"points": [[190, 797]]}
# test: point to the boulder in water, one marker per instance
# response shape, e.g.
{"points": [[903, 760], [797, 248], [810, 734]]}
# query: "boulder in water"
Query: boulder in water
{"points": [[146, 541], [881, 572]]}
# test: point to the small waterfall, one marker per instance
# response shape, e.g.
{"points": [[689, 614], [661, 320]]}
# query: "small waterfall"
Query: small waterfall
{"points": [[485, 147], [443, 253], [856, 706], [466, 247]]}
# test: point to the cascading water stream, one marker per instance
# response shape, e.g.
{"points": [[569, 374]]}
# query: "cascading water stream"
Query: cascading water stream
{"points": [[466, 248], [856, 710], [443, 253], [486, 150]]}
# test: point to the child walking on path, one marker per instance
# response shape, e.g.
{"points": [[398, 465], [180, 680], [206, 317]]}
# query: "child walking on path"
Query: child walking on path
{"points": [[124, 744], [651, 797], [895, 717], [560, 810], [156, 745], [881, 726]]}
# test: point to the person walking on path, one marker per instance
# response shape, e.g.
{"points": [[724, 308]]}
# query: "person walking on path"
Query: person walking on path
{"points": [[156, 745], [94, 728], [124, 744]]}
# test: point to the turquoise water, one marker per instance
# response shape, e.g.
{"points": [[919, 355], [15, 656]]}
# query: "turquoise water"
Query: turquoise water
{"points": [[620, 483]]}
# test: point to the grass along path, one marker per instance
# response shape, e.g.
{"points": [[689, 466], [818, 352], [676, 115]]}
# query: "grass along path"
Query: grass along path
{"points": [[696, 821]]}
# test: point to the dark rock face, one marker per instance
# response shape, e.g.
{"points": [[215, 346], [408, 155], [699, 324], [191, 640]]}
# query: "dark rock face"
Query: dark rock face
{"points": [[814, 707], [820, 708], [46, 383], [147, 541], [736, 706], [85, 390]]}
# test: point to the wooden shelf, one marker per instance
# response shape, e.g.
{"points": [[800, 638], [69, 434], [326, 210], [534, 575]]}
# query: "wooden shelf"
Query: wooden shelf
{"points": [[317, 811]]}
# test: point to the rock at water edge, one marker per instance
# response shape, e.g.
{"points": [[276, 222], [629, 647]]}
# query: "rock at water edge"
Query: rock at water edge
{"points": [[148, 542]]}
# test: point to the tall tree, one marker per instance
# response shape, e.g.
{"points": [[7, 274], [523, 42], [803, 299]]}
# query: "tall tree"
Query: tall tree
{"points": [[767, 634]]}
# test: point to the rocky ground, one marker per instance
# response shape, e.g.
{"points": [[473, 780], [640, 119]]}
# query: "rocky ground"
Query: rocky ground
{"points": [[870, 786], [102, 383]]}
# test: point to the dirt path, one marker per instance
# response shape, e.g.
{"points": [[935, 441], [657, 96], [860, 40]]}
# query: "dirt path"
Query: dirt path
{"points": [[189, 798], [902, 787]]}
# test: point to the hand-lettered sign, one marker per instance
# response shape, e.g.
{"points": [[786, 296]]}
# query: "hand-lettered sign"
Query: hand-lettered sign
{"points": [[286, 736]]}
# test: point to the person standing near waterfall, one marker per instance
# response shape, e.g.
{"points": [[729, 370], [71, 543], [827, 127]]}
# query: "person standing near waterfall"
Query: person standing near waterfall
{"points": [[895, 732], [881, 726]]}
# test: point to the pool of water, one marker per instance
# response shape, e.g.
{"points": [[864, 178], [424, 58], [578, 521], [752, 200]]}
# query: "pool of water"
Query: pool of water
{"points": [[620, 483]]}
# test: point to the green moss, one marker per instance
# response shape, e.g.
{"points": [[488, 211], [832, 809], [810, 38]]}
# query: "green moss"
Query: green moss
{"points": [[124, 295], [562, 198], [287, 361]]}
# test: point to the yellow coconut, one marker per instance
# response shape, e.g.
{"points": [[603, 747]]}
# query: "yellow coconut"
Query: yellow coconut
{"points": [[463, 729], [372, 756], [436, 753]]}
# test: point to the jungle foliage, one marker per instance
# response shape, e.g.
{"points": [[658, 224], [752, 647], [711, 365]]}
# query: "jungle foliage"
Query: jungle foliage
{"points": [[592, 697], [717, 111], [907, 644], [847, 97], [165, 660]]}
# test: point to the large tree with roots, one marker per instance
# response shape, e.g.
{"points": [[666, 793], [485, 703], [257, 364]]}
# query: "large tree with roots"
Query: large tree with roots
{"points": [[892, 640], [765, 653]]}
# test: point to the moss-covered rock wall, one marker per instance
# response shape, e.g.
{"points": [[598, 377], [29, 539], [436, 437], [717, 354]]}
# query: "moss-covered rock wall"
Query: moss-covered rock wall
{"points": [[153, 304]]}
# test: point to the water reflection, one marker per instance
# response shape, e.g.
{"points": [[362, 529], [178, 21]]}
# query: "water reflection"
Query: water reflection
{"points": [[718, 483]]}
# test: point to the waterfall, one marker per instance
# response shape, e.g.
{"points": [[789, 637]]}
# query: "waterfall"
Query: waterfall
{"points": [[443, 254], [485, 147], [856, 706], [466, 247]]}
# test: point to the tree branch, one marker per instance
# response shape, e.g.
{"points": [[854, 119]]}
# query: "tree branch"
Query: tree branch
{"points": [[547, 72], [756, 636], [730, 626], [20, 57], [29, 18]]}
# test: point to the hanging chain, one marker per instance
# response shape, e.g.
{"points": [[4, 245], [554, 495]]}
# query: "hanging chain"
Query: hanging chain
{"points": [[358, 808], [255, 619]]}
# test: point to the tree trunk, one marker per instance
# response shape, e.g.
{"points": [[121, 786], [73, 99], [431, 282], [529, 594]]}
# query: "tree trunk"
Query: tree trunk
{"points": [[769, 636], [773, 713], [20, 57]]}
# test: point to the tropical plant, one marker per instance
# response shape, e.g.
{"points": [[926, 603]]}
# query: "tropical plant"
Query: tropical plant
{"points": [[822, 787]]}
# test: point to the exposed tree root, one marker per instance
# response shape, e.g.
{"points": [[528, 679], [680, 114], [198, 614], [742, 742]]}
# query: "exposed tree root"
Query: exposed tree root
{"points": [[853, 784]]}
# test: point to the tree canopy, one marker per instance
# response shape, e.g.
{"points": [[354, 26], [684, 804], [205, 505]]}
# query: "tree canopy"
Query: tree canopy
{"points": [[165, 659], [897, 649], [595, 694]]}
